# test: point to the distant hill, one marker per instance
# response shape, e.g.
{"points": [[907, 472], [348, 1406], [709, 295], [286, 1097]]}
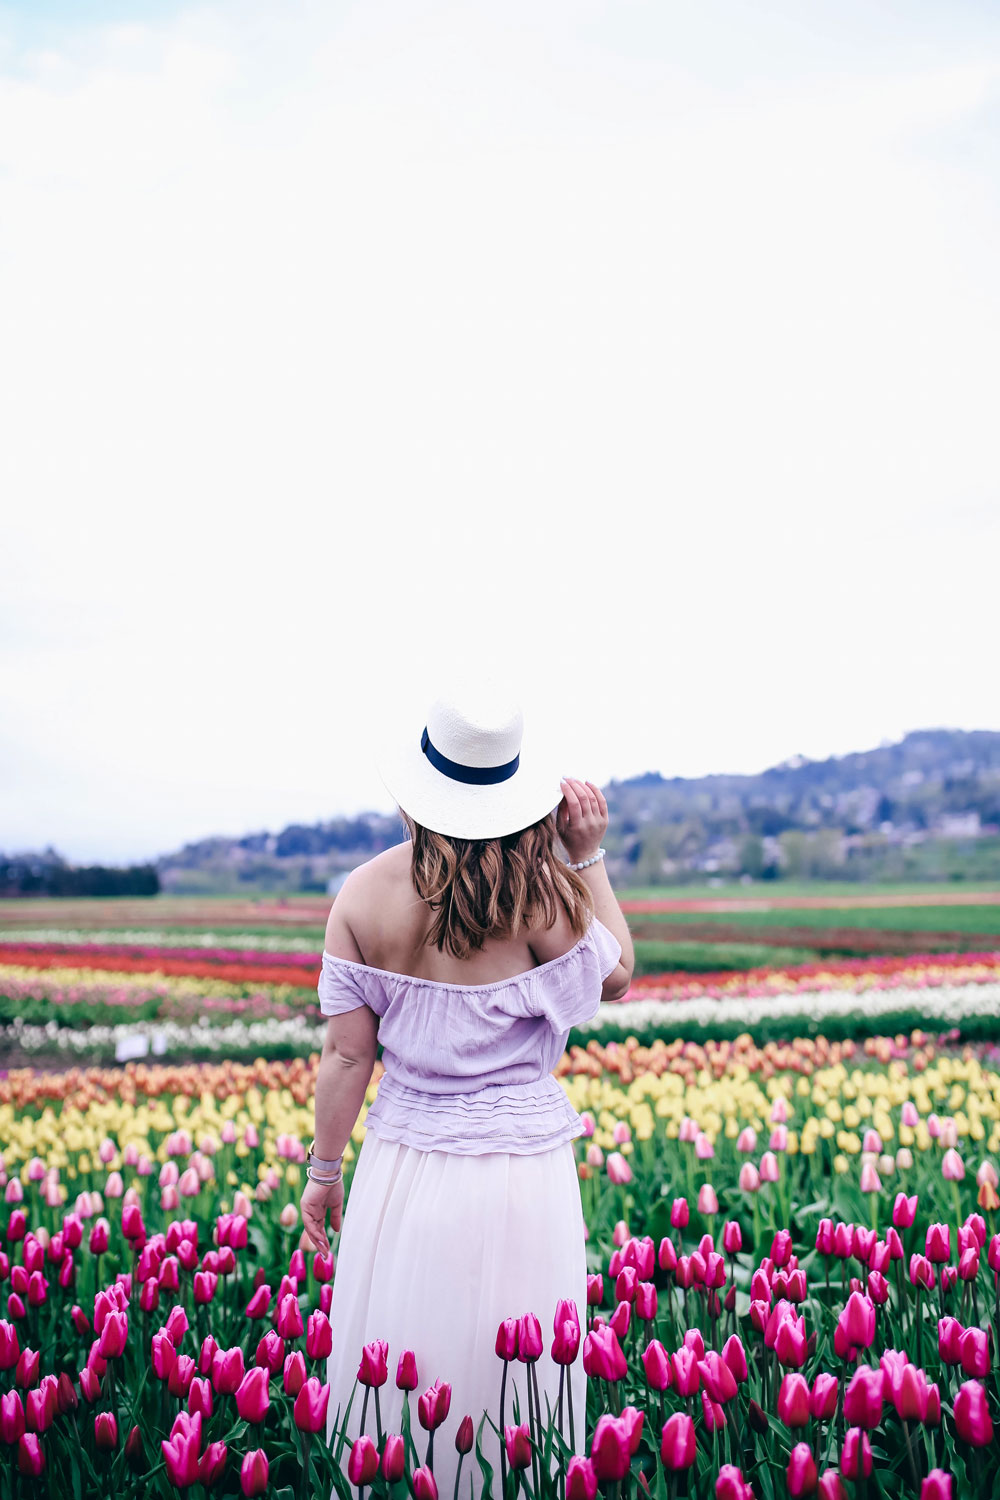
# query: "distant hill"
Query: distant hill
{"points": [[925, 807]]}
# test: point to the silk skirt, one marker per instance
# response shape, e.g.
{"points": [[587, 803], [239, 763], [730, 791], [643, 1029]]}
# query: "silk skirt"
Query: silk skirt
{"points": [[436, 1250]]}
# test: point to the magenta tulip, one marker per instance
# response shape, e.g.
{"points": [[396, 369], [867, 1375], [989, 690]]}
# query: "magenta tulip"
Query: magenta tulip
{"points": [[677, 1442], [801, 1475], [362, 1462]]}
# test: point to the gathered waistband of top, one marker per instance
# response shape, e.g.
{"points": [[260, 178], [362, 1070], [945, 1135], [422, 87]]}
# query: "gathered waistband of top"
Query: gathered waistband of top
{"points": [[516, 1117]]}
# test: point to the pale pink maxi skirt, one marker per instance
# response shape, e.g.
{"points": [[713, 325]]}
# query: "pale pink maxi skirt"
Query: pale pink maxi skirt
{"points": [[436, 1249]]}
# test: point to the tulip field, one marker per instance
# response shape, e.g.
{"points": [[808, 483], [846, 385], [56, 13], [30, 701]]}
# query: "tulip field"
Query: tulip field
{"points": [[792, 1239]]}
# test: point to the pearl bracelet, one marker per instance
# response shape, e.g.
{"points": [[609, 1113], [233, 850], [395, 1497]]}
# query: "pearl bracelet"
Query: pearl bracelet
{"points": [[582, 865]]}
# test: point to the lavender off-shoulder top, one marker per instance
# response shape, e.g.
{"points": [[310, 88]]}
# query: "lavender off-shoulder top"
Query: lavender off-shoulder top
{"points": [[468, 1067]]}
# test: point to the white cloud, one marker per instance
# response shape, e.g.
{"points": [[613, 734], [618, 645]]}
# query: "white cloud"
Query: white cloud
{"points": [[335, 341]]}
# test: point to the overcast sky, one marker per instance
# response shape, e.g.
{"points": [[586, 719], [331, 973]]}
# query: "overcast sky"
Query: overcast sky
{"points": [[649, 350]]}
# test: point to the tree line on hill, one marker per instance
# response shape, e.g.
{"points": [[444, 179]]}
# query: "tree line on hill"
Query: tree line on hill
{"points": [[926, 807]]}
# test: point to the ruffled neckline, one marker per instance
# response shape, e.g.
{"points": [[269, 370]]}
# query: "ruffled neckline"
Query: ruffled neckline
{"points": [[443, 984]]}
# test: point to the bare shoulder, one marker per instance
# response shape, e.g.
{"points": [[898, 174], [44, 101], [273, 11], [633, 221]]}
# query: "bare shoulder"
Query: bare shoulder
{"points": [[552, 942], [367, 888]]}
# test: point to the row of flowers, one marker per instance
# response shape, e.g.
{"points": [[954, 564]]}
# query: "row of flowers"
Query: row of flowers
{"points": [[738, 1341]]}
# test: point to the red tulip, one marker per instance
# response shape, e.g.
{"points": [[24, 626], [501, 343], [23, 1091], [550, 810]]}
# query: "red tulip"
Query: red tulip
{"points": [[309, 1410], [581, 1481], [424, 1484], [518, 1446], [393, 1458], [856, 1454], [362, 1462], [181, 1450], [802, 1475], [254, 1473], [677, 1442], [373, 1369], [406, 1371], [253, 1396], [972, 1417], [432, 1408]]}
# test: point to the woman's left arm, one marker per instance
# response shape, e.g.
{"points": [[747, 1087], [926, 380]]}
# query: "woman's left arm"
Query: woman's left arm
{"points": [[345, 1071]]}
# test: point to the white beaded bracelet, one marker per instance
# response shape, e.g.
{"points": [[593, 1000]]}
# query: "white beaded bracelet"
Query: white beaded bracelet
{"points": [[585, 862]]}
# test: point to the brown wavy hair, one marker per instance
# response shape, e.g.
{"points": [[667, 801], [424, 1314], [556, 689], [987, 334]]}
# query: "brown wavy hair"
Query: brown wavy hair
{"points": [[486, 888]]}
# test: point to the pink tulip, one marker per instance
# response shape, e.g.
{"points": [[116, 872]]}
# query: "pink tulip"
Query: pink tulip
{"points": [[952, 1166], [871, 1182], [749, 1178], [735, 1357], [938, 1246], [182, 1450], [609, 1448], [433, 1405], [393, 1458], [254, 1473], [581, 1481], [974, 1353], [802, 1476], [769, 1167], [362, 1462], [937, 1486], [730, 1484], [309, 1410], [656, 1363], [717, 1378], [424, 1484], [679, 1213], [732, 1237], [823, 1397], [685, 1375], [793, 1401], [863, 1398], [856, 1454], [909, 1115], [708, 1203], [972, 1415], [602, 1354], [831, 1486], [618, 1169], [30, 1455], [105, 1431], [529, 1338], [904, 1210], [677, 1442], [373, 1369], [253, 1397]]}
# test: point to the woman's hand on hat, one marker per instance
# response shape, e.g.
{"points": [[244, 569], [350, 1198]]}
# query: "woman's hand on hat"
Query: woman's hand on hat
{"points": [[581, 818], [313, 1205]]}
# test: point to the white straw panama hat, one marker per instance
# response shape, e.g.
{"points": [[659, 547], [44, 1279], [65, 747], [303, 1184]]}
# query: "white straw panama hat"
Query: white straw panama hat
{"points": [[464, 766]]}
